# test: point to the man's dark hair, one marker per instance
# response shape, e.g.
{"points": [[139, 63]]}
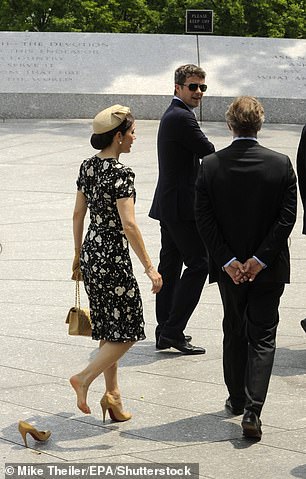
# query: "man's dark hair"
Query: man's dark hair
{"points": [[185, 71]]}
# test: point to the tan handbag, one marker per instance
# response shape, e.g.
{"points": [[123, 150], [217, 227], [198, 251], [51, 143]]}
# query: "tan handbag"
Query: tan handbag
{"points": [[78, 318]]}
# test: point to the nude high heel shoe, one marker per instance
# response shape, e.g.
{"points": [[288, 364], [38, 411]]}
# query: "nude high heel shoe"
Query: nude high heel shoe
{"points": [[114, 408], [25, 428]]}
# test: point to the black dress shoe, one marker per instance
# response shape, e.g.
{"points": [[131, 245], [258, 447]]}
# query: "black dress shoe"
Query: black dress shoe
{"points": [[303, 324], [187, 338], [251, 425], [235, 409], [183, 346]]}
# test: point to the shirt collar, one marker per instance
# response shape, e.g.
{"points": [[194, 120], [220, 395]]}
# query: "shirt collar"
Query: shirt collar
{"points": [[189, 108], [253, 138]]}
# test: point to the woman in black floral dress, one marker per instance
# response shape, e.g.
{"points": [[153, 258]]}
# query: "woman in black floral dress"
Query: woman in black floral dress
{"points": [[106, 188]]}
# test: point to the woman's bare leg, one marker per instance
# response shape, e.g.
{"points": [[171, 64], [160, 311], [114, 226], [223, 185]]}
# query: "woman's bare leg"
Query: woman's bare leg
{"points": [[108, 354], [111, 376], [111, 379]]}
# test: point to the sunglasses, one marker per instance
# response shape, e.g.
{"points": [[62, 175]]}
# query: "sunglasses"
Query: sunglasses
{"points": [[195, 86]]}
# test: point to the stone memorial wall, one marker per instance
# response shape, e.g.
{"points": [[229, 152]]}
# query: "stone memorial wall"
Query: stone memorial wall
{"points": [[74, 75]]}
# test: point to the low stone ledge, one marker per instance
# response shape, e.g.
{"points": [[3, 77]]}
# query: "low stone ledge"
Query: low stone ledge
{"points": [[144, 107]]}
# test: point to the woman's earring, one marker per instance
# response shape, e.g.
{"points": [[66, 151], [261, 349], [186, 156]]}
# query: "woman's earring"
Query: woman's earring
{"points": [[120, 142]]}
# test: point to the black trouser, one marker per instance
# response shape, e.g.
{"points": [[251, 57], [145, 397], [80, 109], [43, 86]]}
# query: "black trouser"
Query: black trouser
{"points": [[249, 326], [180, 245]]}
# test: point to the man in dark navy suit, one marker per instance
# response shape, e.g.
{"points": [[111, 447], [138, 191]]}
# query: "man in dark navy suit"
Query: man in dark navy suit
{"points": [[245, 212], [301, 172], [180, 143]]}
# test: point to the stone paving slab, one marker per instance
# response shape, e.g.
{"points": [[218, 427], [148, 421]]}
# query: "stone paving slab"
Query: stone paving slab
{"points": [[237, 459], [177, 402]]}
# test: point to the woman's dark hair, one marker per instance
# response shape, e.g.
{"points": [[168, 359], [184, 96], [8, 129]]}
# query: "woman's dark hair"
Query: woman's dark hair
{"points": [[103, 140]]}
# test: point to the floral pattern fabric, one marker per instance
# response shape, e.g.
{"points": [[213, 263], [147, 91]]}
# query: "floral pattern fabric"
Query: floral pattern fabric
{"points": [[114, 296]]}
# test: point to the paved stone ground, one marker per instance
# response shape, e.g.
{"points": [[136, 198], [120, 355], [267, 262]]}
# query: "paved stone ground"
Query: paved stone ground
{"points": [[177, 401]]}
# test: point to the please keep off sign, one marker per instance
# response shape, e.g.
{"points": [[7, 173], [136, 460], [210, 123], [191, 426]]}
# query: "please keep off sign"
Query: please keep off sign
{"points": [[199, 21]]}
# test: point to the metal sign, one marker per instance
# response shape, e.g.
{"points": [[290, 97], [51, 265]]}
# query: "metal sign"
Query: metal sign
{"points": [[199, 21]]}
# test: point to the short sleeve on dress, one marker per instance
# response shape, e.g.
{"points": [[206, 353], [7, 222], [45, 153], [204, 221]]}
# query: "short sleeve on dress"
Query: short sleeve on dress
{"points": [[85, 173], [124, 184]]}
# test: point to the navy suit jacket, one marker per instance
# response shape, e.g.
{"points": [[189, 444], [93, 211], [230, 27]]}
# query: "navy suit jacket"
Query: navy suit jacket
{"points": [[180, 144], [301, 172], [245, 206]]}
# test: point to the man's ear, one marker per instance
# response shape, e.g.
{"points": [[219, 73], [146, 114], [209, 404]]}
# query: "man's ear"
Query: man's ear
{"points": [[176, 88]]}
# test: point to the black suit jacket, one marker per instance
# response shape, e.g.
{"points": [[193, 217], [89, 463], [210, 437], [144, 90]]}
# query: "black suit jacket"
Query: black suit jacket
{"points": [[301, 172], [245, 206], [180, 144]]}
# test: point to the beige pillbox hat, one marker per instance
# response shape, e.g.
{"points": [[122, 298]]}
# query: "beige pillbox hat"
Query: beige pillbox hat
{"points": [[109, 118]]}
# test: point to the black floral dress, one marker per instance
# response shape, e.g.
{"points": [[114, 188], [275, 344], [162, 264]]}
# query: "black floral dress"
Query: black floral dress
{"points": [[114, 297]]}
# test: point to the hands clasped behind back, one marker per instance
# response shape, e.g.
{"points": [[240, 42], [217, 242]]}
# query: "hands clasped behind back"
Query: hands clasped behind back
{"points": [[243, 272]]}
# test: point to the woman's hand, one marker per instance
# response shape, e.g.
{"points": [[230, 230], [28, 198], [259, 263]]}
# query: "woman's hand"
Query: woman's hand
{"points": [[156, 279], [76, 270]]}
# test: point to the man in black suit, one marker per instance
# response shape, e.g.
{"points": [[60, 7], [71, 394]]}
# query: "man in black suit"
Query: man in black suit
{"points": [[180, 143], [301, 173], [245, 211]]}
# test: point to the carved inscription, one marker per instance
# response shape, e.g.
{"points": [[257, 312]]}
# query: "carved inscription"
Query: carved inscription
{"points": [[27, 65], [291, 70]]}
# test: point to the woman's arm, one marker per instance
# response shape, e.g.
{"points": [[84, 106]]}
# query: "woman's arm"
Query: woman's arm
{"points": [[126, 212], [79, 213]]}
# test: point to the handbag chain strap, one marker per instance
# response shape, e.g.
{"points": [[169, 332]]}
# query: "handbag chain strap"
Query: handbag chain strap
{"points": [[77, 294]]}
